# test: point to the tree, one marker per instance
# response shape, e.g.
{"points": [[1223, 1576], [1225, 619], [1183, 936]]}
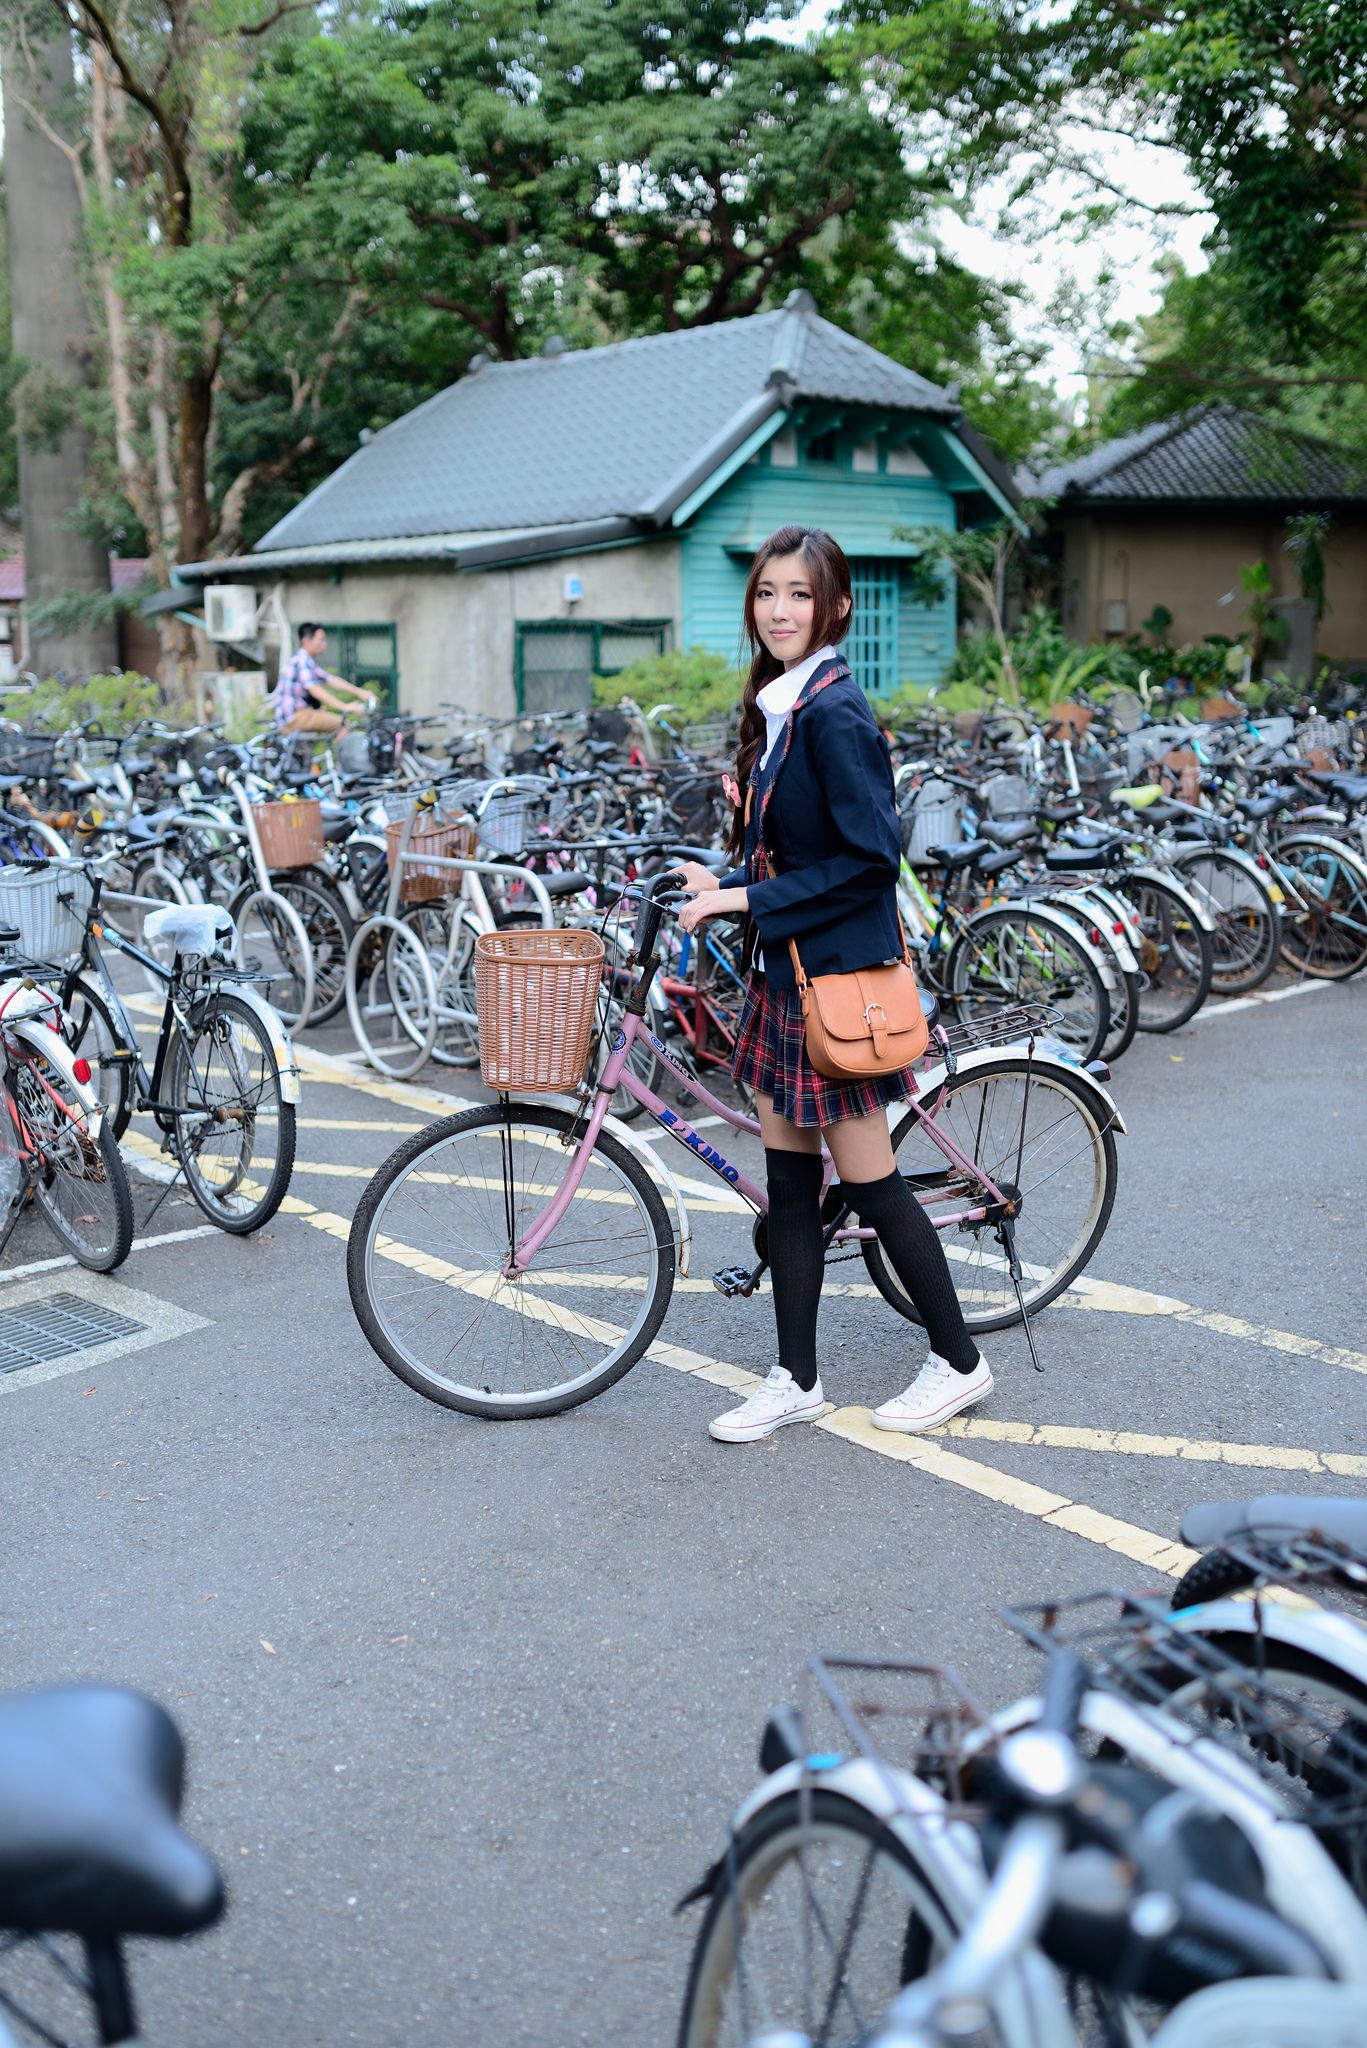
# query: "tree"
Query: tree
{"points": [[52, 356], [1265, 99]]}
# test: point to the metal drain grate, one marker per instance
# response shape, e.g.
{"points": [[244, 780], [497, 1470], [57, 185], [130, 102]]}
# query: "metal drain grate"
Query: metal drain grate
{"points": [[54, 1328]]}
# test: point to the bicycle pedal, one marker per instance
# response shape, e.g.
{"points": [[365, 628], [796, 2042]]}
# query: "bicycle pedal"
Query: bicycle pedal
{"points": [[734, 1280]]}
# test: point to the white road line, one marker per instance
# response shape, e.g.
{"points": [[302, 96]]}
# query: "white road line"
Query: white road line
{"points": [[139, 1244], [1258, 1000]]}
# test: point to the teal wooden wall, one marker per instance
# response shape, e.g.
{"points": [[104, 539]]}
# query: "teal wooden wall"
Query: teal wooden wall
{"points": [[861, 509]]}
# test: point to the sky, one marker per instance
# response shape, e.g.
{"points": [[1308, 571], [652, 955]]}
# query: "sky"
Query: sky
{"points": [[1129, 250]]}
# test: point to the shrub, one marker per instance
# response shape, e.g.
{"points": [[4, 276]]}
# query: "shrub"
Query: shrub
{"points": [[697, 682], [118, 701]]}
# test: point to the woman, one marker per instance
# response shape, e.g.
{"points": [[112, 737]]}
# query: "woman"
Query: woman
{"points": [[817, 827]]}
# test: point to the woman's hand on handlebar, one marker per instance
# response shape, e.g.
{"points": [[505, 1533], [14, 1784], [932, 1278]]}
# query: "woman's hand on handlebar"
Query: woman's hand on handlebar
{"points": [[696, 878], [713, 902]]}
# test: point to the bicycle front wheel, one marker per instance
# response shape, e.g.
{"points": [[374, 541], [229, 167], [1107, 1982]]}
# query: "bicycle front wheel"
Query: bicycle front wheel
{"points": [[1039, 1130], [234, 1131], [819, 1916], [1175, 953], [1324, 933], [431, 1242], [1247, 934], [82, 1183]]}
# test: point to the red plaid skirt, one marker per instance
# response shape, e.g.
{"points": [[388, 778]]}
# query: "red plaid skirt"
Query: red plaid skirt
{"points": [[771, 1058]]}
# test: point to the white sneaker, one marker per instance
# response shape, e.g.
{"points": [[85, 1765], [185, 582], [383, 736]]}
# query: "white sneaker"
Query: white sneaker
{"points": [[936, 1393], [780, 1399]]}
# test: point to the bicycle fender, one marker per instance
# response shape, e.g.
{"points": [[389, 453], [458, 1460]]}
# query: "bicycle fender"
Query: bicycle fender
{"points": [[1196, 911], [1027, 1999], [683, 1233], [1046, 910], [1046, 1056], [1316, 1630], [279, 1038], [34, 1031]]}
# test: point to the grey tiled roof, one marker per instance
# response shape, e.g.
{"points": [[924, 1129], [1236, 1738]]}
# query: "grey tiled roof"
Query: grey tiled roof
{"points": [[1213, 452], [590, 434]]}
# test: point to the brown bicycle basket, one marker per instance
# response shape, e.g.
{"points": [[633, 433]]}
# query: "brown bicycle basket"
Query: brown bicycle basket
{"points": [[536, 995], [437, 841], [291, 834]]}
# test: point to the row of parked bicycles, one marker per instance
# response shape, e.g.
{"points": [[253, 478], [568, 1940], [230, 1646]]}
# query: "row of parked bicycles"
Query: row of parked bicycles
{"points": [[1167, 1843]]}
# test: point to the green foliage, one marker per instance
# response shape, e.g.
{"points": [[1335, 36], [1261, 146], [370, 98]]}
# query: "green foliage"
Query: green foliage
{"points": [[1306, 534], [697, 682], [118, 701]]}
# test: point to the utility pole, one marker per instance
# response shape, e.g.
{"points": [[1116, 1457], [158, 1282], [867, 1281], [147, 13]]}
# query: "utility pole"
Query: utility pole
{"points": [[52, 336]]}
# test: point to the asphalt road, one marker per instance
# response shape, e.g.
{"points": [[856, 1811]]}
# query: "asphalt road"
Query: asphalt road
{"points": [[468, 1704]]}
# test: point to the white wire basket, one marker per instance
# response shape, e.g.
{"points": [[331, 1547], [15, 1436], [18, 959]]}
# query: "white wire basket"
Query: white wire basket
{"points": [[48, 906], [934, 818], [507, 822]]}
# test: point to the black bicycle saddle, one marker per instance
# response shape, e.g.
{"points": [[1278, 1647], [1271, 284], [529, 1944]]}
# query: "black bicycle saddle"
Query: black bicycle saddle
{"points": [[90, 1786]]}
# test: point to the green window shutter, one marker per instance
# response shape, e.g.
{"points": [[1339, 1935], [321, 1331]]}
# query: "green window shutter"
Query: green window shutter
{"points": [[367, 656], [872, 647], [557, 659]]}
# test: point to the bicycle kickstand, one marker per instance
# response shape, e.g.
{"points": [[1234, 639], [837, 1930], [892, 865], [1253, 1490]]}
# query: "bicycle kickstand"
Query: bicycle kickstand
{"points": [[1006, 1238]]}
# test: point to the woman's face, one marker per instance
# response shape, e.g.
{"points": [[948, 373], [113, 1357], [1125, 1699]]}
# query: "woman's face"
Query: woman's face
{"points": [[784, 604]]}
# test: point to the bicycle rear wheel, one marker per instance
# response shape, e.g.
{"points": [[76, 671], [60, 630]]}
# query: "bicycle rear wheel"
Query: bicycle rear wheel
{"points": [[430, 1243], [1043, 1132], [93, 1032], [1324, 932], [1247, 931], [273, 946], [1017, 955], [818, 1917], [1175, 953], [234, 1131], [82, 1183]]}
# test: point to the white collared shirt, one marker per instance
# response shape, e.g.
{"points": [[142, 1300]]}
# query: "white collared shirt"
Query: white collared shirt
{"points": [[778, 697]]}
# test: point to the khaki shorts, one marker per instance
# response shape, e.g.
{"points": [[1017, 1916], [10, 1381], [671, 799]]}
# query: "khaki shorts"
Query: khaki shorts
{"points": [[307, 719]]}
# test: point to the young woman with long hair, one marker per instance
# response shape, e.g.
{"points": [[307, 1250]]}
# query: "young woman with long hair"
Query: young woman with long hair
{"points": [[817, 840]]}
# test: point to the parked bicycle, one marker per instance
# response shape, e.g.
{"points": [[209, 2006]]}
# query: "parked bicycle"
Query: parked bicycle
{"points": [[517, 1260]]}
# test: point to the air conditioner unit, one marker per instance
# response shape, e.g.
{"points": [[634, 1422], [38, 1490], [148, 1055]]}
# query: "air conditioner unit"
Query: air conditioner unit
{"points": [[230, 612]]}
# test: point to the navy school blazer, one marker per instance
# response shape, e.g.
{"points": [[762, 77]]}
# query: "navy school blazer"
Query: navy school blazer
{"points": [[824, 811]]}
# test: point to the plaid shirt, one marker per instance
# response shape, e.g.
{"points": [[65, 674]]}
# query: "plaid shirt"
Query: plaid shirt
{"points": [[300, 674]]}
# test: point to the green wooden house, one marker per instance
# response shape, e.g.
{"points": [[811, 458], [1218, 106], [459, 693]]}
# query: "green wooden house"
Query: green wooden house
{"points": [[543, 521]]}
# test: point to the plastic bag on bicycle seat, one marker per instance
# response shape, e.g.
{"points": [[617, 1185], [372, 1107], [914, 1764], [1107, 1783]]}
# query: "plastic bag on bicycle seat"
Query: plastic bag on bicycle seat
{"points": [[190, 927]]}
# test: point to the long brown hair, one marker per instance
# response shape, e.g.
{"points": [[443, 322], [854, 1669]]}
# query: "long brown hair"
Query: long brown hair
{"points": [[830, 577]]}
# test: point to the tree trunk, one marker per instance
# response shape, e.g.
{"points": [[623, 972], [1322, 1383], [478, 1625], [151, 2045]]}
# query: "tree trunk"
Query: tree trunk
{"points": [[196, 415], [50, 333]]}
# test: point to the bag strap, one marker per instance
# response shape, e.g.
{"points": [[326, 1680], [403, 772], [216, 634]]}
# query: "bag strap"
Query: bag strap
{"points": [[799, 971]]}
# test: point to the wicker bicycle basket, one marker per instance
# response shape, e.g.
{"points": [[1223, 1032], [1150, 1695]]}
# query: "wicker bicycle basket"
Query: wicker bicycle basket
{"points": [[291, 834], [440, 840], [536, 995]]}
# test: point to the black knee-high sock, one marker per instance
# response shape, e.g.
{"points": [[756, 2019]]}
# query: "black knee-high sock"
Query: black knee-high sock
{"points": [[796, 1261], [914, 1252]]}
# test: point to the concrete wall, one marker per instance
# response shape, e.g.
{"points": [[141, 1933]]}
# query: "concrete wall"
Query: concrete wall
{"points": [[1189, 561], [455, 629]]}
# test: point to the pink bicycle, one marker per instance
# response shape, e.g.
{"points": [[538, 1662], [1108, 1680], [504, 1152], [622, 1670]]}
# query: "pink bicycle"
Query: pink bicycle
{"points": [[517, 1259]]}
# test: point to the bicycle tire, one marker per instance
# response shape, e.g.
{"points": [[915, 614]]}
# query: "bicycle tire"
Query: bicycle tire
{"points": [[328, 927], [284, 952], [453, 972], [795, 1842], [372, 965], [70, 1159], [423, 1242], [1024, 955], [94, 1034], [229, 1040], [1170, 938], [1325, 938], [1247, 937], [1083, 1216]]}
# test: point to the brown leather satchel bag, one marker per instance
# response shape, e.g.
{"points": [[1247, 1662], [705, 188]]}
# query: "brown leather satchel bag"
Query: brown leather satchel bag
{"points": [[864, 1024]]}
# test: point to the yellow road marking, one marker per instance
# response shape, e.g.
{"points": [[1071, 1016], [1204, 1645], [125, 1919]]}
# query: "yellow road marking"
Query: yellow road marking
{"points": [[355, 1123], [1135, 1444]]}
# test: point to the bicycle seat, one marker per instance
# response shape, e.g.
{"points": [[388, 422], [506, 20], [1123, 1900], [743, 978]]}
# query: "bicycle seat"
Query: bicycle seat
{"points": [[90, 1786], [1276, 1514], [1059, 814], [339, 828], [956, 857], [1081, 860], [1349, 789], [1263, 806], [1004, 857], [571, 883], [1013, 834]]}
